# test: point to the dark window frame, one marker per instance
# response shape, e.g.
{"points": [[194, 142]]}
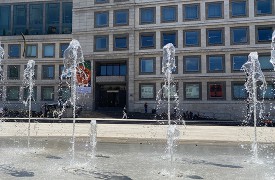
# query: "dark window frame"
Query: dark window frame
{"points": [[7, 94], [257, 41], [60, 49], [176, 64], [154, 91], [222, 38], [9, 68], [47, 66], [232, 90], [154, 14], [101, 2], [43, 50], [26, 52], [232, 62], [120, 36], [200, 91], [162, 16], [265, 54], [114, 17], [163, 94], [53, 94], [263, 14], [238, 16], [107, 43], [232, 35], [223, 84], [184, 13], [184, 64], [147, 34], [14, 57], [95, 21], [214, 2], [208, 65], [169, 32], [154, 66], [192, 30]]}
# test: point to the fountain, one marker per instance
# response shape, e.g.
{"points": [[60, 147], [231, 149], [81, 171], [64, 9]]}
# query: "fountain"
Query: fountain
{"points": [[254, 76], [28, 82], [1, 57]]}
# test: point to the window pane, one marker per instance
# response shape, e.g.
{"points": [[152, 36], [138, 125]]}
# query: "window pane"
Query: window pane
{"points": [[47, 93], [121, 17], [191, 38], [215, 63], [52, 18], [168, 14], [238, 8], [265, 62], [169, 38], [48, 72], [49, 50], [238, 61], [240, 35], [19, 19], [215, 37], [31, 50], [101, 1], [103, 70], [67, 17], [63, 47], [147, 66], [173, 91], [36, 19], [214, 10], [192, 91], [116, 69], [239, 91], [5, 20], [216, 90], [101, 19], [13, 72], [192, 64], [265, 34], [109, 69], [27, 92], [147, 91], [264, 6], [191, 12], [14, 50], [65, 93], [122, 69], [147, 15], [12, 93], [147, 41], [101, 43], [121, 42]]}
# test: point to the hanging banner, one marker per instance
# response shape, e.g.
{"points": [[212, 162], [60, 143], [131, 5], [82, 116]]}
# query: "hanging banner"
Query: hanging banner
{"points": [[83, 77]]}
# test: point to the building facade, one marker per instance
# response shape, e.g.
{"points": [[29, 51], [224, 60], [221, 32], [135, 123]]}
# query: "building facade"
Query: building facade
{"points": [[123, 39]]}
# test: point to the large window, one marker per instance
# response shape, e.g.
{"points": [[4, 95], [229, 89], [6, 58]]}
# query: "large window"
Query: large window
{"points": [[62, 48], [173, 90], [36, 19], [48, 50], [265, 62], [102, 19], [169, 14], [147, 15], [121, 17], [121, 42], [239, 35], [31, 50], [27, 92], [147, 66], [238, 91], [239, 8], [191, 12], [147, 40], [48, 72], [263, 7], [5, 20], [14, 72], [216, 90], [215, 63], [237, 61], [67, 17], [215, 37], [191, 38], [169, 37], [14, 50], [109, 69], [147, 91], [52, 18], [191, 64], [269, 92], [12, 93], [192, 91], [101, 43], [214, 10], [264, 34], [19, 19], [47, 93]]}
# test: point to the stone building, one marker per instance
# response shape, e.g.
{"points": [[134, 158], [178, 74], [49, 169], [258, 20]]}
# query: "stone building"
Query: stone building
{"points": [[122, 41]]}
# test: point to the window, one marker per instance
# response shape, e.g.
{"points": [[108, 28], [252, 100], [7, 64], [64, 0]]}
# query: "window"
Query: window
{"points": [[147, 15], [14, 50], [65, 93], [36, 19], [147, 65], [67, 17], [48, 50], [35, 71], [63, 47], [191, 64], [174, 70], [191, 38], [5, 20], [264, 34], [265, 62], [47, 93], [101, 43], [216, 90], [214, 10], [12, 93], [14, 72], [215, 63], [269, 93], [1, 93], [52, 18], [121, 17], [121, 42], [191, 12], [48, 72], [238, 8], [169, 14], [169, 37], [19, 19], [173, 90], [192, 91], [101, 1], [27, 92], [147, 91], [263, 7], [31, 50], [102, 19], [147, 40], [215, 37], [239, 35], [237, 61], [238, 91], [111, 69]]}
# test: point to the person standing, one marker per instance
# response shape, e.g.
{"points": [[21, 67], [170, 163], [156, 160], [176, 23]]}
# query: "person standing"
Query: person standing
{"points": [[145, 107]]}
